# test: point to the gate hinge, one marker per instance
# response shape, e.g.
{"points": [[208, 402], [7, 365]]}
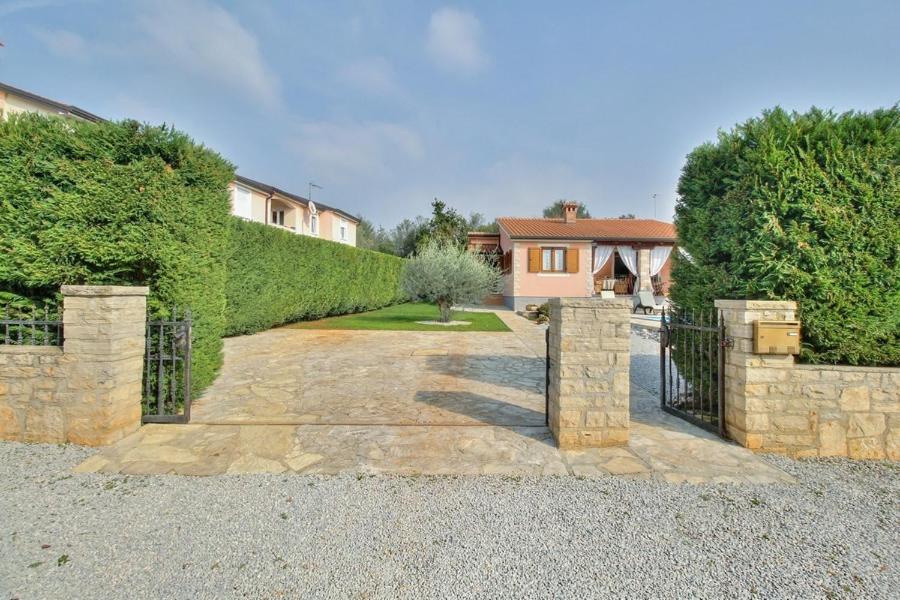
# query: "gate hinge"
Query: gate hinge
{"points": [[727, 342]]}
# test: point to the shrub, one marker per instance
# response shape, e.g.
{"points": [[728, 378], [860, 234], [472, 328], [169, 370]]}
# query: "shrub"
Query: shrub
{"points": [[116, 204], [276, 277], [800, 207], [446, 274]]}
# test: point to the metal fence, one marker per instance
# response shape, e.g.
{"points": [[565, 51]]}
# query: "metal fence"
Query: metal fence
{"points": [[547, 377], [692, 367], [27, 325], [167, 369]]}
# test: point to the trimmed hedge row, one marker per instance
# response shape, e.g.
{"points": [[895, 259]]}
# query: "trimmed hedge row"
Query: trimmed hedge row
{"points": [[130, 204], [116, 203], [801, 207], [277, 277]]}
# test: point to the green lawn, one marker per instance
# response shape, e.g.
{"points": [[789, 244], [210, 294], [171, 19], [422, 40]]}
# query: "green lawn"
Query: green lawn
{"points": [[403, 317]]}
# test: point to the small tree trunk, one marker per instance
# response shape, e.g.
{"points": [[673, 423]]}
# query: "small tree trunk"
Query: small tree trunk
{"points": [[444, 307]]}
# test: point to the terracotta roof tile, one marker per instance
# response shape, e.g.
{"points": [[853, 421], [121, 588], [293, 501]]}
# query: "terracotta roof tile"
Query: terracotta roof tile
{"points": [[593, 229]]}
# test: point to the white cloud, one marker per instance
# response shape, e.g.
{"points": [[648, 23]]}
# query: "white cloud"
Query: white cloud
{"points": [[64, 44], [369, 149], [207, 40], [454, 41], [355, 26], [20, 5], [373, 75]]}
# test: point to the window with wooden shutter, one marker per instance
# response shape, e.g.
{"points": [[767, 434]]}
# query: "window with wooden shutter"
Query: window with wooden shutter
{"points": [[534, 260], [551, 260], [572, 260]]}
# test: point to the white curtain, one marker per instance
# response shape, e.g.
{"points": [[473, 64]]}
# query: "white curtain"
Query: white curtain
{"points": [[629, 257], [601, 256], [685, 254], [658, 257]]}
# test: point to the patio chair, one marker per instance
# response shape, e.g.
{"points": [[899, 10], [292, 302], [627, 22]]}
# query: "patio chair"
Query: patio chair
{"points": [[647, 302]]}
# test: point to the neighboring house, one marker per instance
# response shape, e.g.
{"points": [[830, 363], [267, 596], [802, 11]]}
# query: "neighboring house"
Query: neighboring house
{"points": [[255, 201], [250, 200], [571, 257], [14, 100]]}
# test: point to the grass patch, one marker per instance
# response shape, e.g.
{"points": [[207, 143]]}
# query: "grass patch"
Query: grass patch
{"points": [[403, 317]]}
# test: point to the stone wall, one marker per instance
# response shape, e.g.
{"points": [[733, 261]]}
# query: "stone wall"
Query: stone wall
{"points": [[776, 405], [89, 391], [589, 378], [32, 384]]}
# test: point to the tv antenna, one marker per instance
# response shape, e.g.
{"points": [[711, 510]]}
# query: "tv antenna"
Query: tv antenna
{"points": [[311, 186]]}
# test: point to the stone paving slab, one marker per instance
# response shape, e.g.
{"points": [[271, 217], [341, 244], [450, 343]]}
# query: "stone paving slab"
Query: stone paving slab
{"points": [[409, 403], [296, 376], [420, 450], [332, 449]]}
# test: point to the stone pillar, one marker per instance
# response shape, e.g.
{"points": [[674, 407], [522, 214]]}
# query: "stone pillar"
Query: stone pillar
{"points": [[646, 285], [589, 380], [754, 397], [104, 328]]}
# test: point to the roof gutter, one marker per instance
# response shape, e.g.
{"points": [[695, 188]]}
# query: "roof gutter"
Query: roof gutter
{"points": [[268, 206], [591, 239]]}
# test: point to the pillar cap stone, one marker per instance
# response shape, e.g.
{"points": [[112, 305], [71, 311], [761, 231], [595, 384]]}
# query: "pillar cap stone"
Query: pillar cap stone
{"points": [[610, 303], [105, 290], [757, 304]]}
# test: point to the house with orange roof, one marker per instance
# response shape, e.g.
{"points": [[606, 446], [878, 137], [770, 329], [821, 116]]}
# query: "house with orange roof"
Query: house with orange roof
{"points": [[545, 258]]}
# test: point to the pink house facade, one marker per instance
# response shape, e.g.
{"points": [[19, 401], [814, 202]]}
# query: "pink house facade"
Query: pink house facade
{"points": [[579, 258], [262, 203]]}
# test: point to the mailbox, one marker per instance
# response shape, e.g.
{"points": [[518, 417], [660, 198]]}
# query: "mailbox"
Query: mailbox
{"points": [[776, 337]]}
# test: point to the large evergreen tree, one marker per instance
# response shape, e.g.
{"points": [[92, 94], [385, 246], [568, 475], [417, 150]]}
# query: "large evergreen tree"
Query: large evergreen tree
{"points": [[804, 207]]}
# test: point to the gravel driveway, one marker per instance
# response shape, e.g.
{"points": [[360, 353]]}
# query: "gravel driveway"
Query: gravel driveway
{"points": [[834, 534]]}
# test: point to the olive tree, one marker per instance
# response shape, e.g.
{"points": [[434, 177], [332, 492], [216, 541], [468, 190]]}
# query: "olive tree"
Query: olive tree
{"points": [[446, 274]]}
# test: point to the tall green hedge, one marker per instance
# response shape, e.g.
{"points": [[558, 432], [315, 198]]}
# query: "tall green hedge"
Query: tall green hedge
{"points": [[130, 204], [116, 203], [801, 207], [276, 277]]}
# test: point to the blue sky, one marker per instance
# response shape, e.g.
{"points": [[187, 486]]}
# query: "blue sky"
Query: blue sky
{"points": [[495, 107]]}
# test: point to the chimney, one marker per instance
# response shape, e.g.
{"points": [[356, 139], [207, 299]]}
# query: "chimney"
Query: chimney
{"points": [[570, 210]]}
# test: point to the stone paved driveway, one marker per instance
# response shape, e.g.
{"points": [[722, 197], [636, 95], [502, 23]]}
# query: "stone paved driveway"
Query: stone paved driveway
{"points": [[299, 376], [410, 403]]}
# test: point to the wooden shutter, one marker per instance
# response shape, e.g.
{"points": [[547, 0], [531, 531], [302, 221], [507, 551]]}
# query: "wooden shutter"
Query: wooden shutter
{"points": [[507, 261], [572, 260], [534, 260]]}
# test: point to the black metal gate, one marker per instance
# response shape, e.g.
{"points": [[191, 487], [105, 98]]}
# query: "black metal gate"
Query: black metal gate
{"points": [[692, 367], [547, 377], [167, 370]]}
